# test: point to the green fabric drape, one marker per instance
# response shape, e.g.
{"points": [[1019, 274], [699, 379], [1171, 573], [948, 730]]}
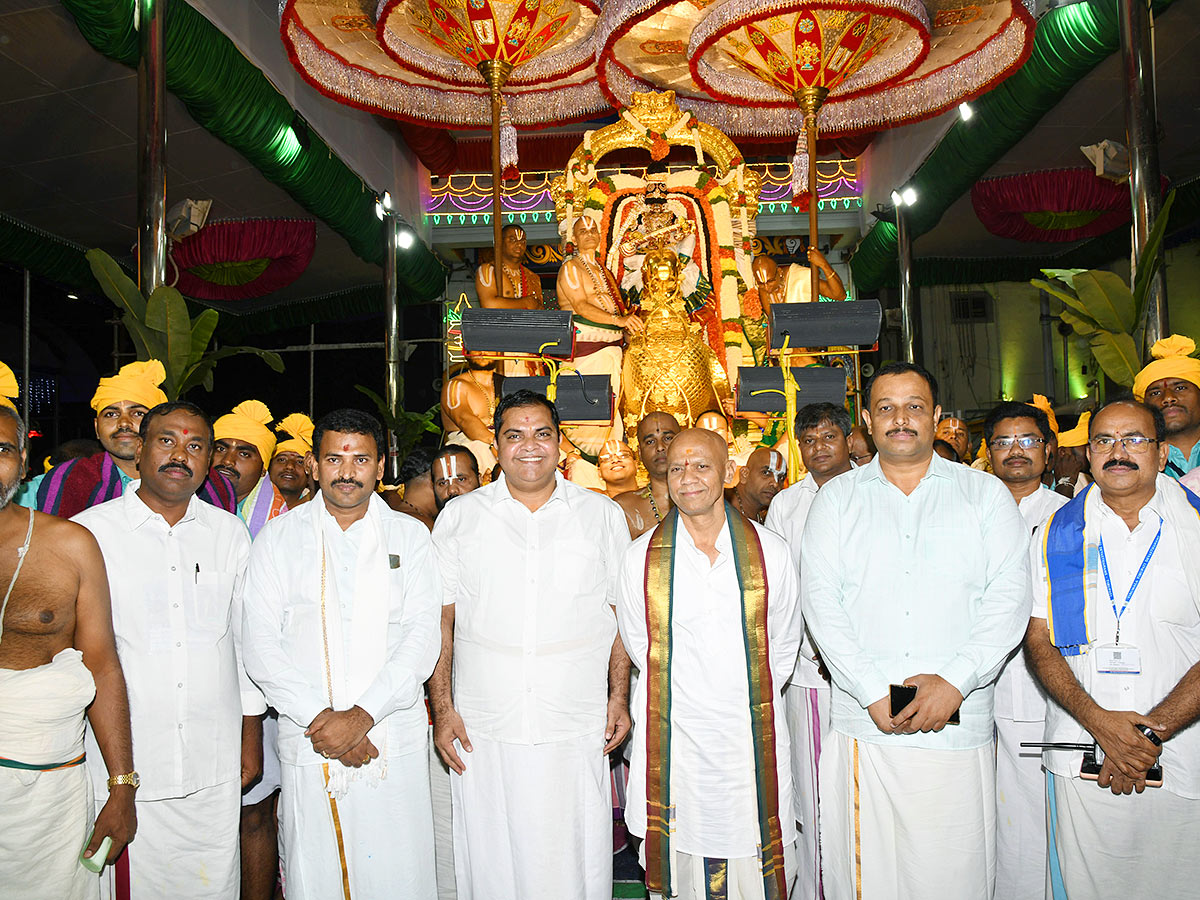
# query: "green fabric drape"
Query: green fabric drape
{"points": [[45, 255], [1070, 41], [226, 94]]}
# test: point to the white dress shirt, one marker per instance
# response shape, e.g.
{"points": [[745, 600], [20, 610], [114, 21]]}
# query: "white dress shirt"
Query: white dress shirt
{"points": [[933, 582], [285, 650], [1018, 696], [712, 751], [176, 612], [533, 622], [1162, 621]]}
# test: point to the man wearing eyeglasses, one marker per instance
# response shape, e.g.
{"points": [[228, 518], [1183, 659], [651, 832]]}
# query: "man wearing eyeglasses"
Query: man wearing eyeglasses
{"points": [[1018, 439], [1115, 639]]}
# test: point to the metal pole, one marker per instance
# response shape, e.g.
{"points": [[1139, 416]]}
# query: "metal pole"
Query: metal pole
{"points": [[25, 355], [1141, 125], [495, 73], [810, 100], [1047, 344], [152, 146], [904, 252], [392, 360], [312, 365]]}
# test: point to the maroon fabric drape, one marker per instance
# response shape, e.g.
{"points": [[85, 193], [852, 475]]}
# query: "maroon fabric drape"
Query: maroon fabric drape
{"points": [[287, 243], [1059, 205]]}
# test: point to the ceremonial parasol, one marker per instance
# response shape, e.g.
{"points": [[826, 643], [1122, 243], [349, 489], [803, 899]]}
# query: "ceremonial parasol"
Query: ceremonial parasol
{"points": [[755, 68], [447, 62]]}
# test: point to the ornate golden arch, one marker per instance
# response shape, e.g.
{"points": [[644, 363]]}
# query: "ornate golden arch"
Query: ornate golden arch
{"points": [[656, 113]]}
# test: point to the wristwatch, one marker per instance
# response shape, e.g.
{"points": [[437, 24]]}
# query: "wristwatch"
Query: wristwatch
{"points": [[132, 779]]}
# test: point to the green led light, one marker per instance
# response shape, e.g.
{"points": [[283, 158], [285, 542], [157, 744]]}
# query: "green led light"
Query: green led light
{"points": [[474, 220]]}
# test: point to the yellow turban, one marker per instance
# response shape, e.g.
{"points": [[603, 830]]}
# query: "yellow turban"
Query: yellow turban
{"points": [[250, 421], [300, 427], [137, 382], [1077, 436], [1040, 402], [1172, 359], [8, 387]]}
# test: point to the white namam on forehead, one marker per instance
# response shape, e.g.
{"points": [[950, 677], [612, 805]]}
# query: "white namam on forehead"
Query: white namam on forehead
{"points": [[448, 466], [776, 464]]}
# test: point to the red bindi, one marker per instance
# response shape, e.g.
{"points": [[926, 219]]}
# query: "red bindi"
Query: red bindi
{"points": [[345, 447], [185, 431]]}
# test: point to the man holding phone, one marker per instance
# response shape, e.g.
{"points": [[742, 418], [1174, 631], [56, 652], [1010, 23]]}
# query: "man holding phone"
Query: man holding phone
{"points": [[1115, 639], [913, 574]]}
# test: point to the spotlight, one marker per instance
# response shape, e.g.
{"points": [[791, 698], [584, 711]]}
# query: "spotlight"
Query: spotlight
{"points": [[379, 210], [72, 296], [897, 200], [387, 201], [910, 196], [405, 239], [965, 111]]}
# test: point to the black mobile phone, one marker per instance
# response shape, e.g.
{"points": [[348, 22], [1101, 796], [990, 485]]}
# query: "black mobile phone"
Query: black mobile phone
{"points": [[1093, 759], [900, 695]]}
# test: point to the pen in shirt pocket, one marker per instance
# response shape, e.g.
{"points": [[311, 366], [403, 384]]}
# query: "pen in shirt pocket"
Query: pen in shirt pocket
{"points": [[196, 577]]}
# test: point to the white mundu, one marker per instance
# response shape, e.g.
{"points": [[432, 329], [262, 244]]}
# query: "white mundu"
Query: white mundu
{"points": [[713, 786], [1020, 782], [805, 700], [176, 606], [1141, 845], [895, 585], [533, 632], [353, 614], [45, 816]]}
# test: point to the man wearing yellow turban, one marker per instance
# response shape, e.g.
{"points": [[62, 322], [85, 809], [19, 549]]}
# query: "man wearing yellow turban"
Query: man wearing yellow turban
{"points": [[1172, 383], [1071, 469], [287, 470], [120, 403], [244, 443], [8, 387]]}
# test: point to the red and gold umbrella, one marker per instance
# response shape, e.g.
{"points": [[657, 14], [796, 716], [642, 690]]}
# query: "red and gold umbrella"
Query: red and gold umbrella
{"points": [[446, 62]]}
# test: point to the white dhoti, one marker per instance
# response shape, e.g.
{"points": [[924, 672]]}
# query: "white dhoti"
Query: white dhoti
{"points": [[482, 452], [706, 877], [45, 813], [807, 712], [905, 823], [443, 832], [1020, 812], [269, 783], [186, 848], [1136, 845], [384, 828], [533, 822]]}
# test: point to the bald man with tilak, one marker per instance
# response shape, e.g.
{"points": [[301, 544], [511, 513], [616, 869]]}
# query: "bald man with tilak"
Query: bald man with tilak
{"points": [[760, 479], [708, 609], [646, 507]]}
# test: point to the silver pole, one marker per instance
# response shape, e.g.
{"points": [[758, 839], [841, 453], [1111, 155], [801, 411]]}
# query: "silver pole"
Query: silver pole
{"points": [[312, 365], [25, 356], [392, 359], [152, 146], [1047, 344], [1141, 125], [904, 252]]}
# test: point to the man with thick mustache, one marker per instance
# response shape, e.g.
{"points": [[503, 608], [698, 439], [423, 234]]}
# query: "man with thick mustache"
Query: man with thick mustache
{"points": [[540, 686], [1019, 438], [120, 403], [1115, 638], [175, 567], [914, 573]]}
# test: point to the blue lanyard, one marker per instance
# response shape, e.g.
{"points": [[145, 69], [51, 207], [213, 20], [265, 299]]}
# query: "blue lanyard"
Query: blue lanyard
{"points": [[1136, 578]]}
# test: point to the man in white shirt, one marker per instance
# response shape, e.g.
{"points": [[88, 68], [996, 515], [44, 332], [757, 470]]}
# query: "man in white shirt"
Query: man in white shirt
{"points": [[823, 433], [1115, 639], [1018, 438], [914, 572], [710, 616], [540, 679], [175, 566], [341, 609]]}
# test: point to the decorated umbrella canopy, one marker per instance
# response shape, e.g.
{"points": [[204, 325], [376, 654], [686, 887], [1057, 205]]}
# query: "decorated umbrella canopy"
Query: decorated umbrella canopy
{"points": [[240, 260], [788, 66], [445, 62]]}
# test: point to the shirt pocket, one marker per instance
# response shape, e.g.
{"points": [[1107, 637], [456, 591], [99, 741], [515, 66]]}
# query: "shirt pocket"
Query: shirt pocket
{"points": [[212, 603], [1172, 601]]}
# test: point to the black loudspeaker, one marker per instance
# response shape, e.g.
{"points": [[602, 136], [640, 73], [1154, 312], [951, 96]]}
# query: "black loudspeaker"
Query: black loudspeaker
{"points": [[517, 332], [851, 323], [581, 398], [817, 384]]}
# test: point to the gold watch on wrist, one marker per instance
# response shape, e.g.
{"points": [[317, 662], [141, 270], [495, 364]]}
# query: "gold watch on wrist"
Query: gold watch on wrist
{"points": [[131, 778]]}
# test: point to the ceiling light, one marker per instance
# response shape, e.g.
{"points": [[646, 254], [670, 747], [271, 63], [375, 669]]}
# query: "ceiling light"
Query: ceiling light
{"points": [[897, 200], [910, 196], [965, 111], [405, 239]]}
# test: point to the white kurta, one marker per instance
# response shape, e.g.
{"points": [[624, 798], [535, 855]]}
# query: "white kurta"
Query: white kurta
{"points": [[897, 585], [533, 632], [713, 786], [384, 813], [1020, 783], [1163, 621], [45, 817], [176, 606], [805, 699]]}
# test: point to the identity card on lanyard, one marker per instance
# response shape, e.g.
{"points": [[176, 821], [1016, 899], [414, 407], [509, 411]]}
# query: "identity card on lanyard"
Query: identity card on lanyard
{"points": [[1117, 658]]}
